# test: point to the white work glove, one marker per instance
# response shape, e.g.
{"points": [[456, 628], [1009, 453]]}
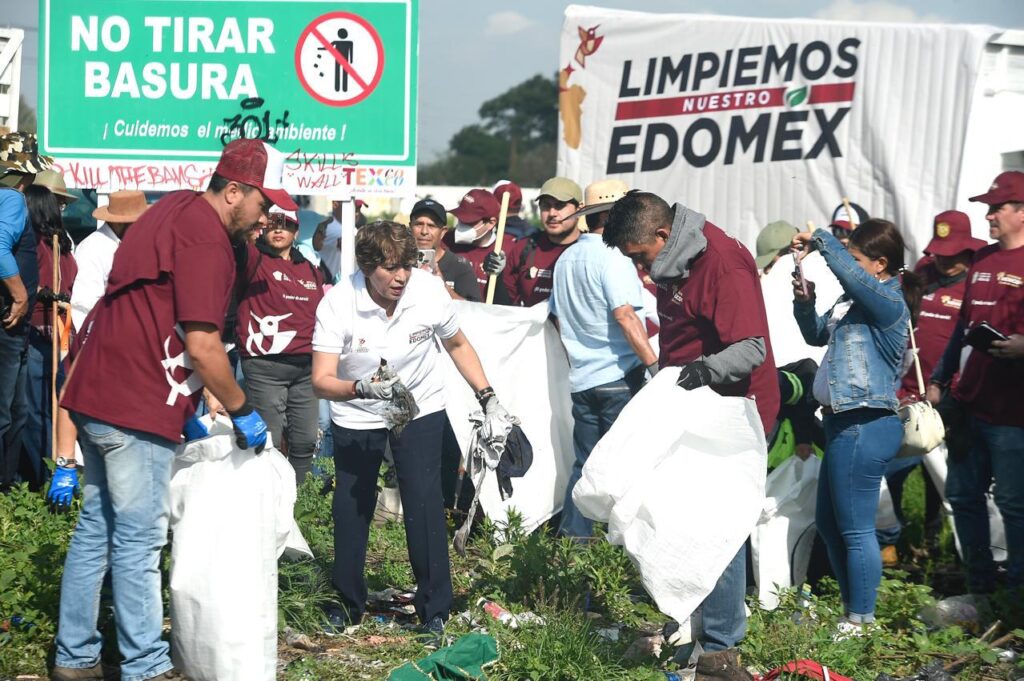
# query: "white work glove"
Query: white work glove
{"points": [[494, 263], [496, 426], [369, 389]]}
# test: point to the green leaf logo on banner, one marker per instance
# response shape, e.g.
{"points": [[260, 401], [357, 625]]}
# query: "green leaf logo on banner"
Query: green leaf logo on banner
{"points": [[796, 97]]}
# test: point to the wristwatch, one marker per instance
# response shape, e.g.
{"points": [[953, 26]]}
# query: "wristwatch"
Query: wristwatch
{"points": [[65, 463]]}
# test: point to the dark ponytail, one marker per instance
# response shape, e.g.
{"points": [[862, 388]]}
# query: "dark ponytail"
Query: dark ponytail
{"points": [[876, 239]]}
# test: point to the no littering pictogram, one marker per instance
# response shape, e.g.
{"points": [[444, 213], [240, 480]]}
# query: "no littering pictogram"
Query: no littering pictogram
{"points": [[339, 59]]}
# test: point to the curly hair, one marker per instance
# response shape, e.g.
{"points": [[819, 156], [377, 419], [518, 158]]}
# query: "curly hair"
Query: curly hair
{"points": [[383, 244]]}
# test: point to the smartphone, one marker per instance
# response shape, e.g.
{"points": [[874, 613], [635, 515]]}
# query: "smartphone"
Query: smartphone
{"points": [[980, 337], [798, 274], [427, 260]]}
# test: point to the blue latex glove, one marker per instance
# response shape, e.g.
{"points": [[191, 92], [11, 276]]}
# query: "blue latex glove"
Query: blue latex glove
{"points": [[250, 430], [63, 487], [195, 429]]}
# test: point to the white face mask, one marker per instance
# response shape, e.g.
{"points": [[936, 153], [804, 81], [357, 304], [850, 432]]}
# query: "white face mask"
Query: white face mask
{"points": [[465, 234]]}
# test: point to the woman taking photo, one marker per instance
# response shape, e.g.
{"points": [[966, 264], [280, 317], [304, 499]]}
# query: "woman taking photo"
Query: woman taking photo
{"points": [[389, 311], [866, 332]]}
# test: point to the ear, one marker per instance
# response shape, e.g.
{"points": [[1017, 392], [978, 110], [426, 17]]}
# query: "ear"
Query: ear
{"points": [[883, 264], [663, 233]]}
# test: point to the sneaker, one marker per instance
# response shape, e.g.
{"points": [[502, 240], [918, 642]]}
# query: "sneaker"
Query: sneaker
{"points": [[432, 633], [721, 665], [94, 672], [846, 629], [890, 558]]}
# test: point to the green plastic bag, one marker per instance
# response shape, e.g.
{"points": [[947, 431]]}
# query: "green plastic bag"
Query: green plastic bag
{"points": [[462, 661]]}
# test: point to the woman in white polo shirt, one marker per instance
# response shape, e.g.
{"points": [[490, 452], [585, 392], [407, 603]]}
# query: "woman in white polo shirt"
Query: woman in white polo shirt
{"points": [[392, 311]]}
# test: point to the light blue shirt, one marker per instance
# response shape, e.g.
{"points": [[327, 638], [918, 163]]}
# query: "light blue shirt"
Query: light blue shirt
{"points": [[590, 281], [12, 223]]}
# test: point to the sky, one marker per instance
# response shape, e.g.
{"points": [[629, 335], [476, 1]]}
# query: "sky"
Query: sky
{"points": [[471, 51]]}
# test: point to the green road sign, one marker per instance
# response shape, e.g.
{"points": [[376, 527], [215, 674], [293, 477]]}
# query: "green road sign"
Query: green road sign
{"points": [[145, 93]]}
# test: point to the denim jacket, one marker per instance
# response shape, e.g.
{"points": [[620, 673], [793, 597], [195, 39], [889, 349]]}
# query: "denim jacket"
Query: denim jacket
{"points": [[867, 346]]}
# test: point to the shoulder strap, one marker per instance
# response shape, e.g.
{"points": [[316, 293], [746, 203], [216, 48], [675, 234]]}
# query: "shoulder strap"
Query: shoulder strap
{"points": [[531, 245], [917, 361]]}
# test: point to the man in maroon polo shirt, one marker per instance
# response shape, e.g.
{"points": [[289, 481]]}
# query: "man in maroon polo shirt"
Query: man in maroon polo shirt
{"points": [[531, 262], [713, 325], [991, 375], [154, 340], [474, 235]]}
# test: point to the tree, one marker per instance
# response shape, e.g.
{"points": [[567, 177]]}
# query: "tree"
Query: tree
{"points": [[516, 139], [26, 116]]}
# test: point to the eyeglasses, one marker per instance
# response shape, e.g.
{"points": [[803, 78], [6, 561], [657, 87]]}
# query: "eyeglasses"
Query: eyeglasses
{"points": [[280, 222]]}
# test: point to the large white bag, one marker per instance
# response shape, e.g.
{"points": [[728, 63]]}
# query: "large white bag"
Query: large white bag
{"points": [[680, 481], [786, 525], [231, 518]]}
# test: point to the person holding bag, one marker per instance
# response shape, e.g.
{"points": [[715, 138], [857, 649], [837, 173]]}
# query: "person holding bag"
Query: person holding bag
{"points": [[376, 349], [866, 334]]}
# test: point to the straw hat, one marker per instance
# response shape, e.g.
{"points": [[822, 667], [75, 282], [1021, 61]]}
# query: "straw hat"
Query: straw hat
{"points": [[126, 206], [54, 181]]}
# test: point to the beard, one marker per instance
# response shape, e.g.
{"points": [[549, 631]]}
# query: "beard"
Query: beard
{"points": [[239, 228]]}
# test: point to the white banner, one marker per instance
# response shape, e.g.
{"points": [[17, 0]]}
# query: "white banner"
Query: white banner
{"points": [[755, 120]]}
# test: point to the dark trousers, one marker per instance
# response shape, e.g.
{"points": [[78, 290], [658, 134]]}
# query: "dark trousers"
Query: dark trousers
{"points": [[417, 454], [38, 432], [280, 388], [13, 407]]}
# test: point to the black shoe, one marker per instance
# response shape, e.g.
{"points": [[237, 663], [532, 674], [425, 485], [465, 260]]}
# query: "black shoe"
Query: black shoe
{"points": [[338, 620], [432, 633]]}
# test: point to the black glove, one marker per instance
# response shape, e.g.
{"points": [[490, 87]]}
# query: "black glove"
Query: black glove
{"points": [[694, 375], [46, 296], [494, 263]]}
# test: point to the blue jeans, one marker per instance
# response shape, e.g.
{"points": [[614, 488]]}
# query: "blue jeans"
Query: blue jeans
{"points": [[896, 473], [724, 614], [997, 453], [123, 525], [593, 411], [13, 371], [859, 445]]}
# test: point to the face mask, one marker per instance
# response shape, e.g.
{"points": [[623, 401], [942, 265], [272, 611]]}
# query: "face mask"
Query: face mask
{"points": [[465, 234]]}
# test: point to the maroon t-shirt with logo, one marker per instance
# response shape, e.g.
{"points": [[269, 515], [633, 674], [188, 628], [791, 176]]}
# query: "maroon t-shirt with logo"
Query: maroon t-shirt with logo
{"points": [[718, 304], [475, 255], [940, 309], [175, 265], [529, 270], [994, 294], [277, 310]]}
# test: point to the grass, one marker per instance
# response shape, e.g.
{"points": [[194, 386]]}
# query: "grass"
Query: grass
{"points": [[577, 588]]}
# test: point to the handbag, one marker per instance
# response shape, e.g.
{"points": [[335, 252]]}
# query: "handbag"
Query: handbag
{"points": [[923, 429]]}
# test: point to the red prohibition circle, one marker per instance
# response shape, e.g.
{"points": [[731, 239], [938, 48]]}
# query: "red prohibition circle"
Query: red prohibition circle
{"points": [[370, 87]]}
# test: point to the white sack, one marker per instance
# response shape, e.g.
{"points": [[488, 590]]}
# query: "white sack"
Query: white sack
{"points": [[231, 517], [523, 358], [786, 524], [788, 343], [935, 464], [680, 481]]}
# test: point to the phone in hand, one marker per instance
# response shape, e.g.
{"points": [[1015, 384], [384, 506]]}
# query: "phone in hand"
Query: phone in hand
{"points": [[798, 274], [981, 335], [427, 260]]}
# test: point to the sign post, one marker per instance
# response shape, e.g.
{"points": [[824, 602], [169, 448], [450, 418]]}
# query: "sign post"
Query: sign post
{"points": [[144, 95]]}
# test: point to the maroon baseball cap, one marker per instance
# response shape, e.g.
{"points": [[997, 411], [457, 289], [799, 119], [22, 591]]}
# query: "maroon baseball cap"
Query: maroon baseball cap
{"points": [[476, 205], [515, 195], [1008, 186], [259, 165], [952, 235]]}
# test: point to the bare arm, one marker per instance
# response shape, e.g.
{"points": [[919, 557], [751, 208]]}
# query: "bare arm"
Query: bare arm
{"points": [[466, 361], [204, 346], [326, 384], [636, 333]]}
